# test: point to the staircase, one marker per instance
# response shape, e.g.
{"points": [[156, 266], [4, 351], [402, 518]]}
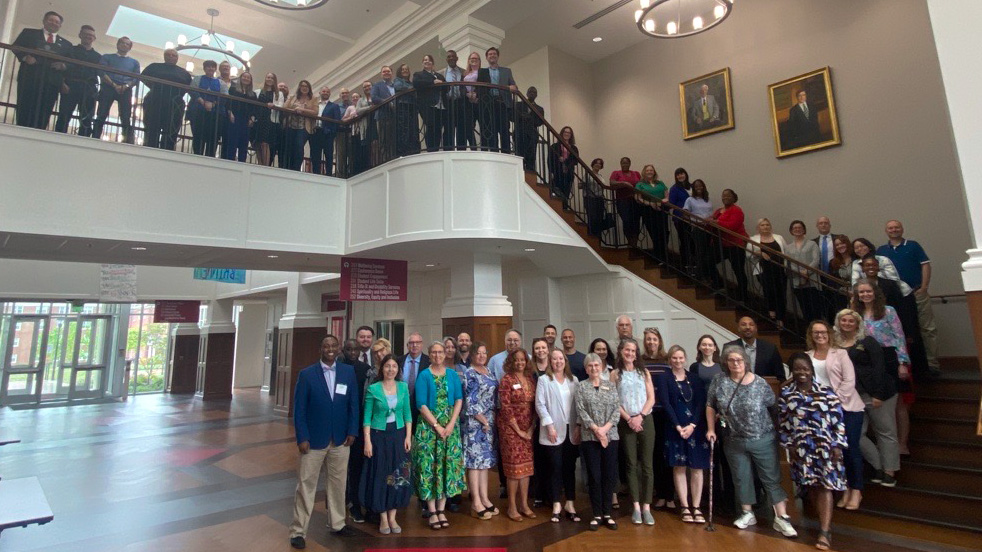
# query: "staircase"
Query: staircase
{"points": [[939, 485]]}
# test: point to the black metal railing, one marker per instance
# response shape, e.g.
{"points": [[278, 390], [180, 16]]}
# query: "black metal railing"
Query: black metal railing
{"points": [[467, 116]]}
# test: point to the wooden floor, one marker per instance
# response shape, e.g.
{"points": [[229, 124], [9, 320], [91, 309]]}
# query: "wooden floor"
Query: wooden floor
{"points": [[164, 473]]}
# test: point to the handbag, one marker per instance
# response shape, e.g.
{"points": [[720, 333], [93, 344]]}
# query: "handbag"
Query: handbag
{"points": [[724, 427]]}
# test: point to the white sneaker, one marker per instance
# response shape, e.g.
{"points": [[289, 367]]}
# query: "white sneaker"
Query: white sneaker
{"points": [[746, 519], [783, 525]]}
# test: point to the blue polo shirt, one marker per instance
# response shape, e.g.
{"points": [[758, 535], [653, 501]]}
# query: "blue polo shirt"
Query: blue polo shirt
{"points": [[908, 258], [117, 61]]}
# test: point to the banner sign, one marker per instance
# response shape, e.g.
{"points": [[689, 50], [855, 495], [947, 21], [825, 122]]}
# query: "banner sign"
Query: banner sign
{"points": [[226, 275], [373, 279], [117, 283], [176, 311]]}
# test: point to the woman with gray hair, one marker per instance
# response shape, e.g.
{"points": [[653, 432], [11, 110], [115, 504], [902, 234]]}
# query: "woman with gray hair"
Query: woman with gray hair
{"points": [[742, 399], [878, 389], [598, 408]]}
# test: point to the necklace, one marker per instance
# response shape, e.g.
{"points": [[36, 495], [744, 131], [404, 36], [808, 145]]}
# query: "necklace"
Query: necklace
{"points": [[682, 391]]}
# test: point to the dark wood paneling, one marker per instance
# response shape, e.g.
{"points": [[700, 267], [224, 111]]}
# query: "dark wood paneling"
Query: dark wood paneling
{"points": [[215, 371], [297, 349], [489, 329], [184, 364]]}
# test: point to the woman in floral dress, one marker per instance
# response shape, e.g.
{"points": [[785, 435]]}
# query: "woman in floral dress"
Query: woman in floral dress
{"points": [[480, 451], [516, 423], [438, 456], [812, 429]]}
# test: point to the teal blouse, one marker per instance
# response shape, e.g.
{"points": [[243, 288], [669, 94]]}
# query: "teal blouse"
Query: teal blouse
{"points": [[377, 407], [656, 190]]}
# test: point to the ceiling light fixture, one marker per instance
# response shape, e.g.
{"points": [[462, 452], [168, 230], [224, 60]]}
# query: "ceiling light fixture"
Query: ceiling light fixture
{"points": [[204, 42], [272, 256], [293, 4], [430, 265], [680, 18], [138, 248], [597, 38], [529, 249]]}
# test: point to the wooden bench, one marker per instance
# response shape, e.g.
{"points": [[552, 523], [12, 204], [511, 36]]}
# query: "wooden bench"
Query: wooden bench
{"points": [[22, 503]]}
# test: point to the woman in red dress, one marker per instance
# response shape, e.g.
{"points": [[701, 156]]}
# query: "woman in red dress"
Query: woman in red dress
{"points": [[516, 423]]}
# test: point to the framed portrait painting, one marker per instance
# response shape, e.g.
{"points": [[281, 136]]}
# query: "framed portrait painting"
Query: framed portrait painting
{"points": [[803, 113], [707, 104]]}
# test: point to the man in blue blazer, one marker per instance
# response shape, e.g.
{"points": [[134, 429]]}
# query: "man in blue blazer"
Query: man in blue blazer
{"points": [[325, 416], [322, 141], [496, 104]]}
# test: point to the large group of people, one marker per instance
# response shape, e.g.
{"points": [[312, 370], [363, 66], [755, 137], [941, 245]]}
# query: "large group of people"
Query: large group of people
{"points": [[231, 111], [434, 424]]}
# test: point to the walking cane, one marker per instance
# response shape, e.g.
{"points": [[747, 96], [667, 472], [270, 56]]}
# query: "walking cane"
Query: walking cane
{"points": [[712, 453]]}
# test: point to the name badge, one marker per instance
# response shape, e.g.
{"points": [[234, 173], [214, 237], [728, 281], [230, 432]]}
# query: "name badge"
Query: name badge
{"points": [[604, 388], [516, 386], [341, 389]]}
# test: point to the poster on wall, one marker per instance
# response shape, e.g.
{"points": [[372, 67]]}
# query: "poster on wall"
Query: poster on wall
{"points": [[803, 113], [707, 104], [177, 312], [117, 283], [373, 279]]}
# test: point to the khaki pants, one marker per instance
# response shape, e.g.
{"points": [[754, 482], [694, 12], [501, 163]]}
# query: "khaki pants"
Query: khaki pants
{"points": [[333, 461], [929, 332]]}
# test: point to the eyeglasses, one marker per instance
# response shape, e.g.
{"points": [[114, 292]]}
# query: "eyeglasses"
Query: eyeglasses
{"points": [[819, 332], [735, 361], [415, 342]]}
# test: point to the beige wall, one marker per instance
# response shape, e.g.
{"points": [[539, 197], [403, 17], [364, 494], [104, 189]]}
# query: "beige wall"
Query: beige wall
{"points": [[572, 97], [533, 70], [897, 158]]}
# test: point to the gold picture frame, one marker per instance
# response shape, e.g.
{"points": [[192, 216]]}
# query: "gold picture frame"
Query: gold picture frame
{"points": [[706, 115], [801, 127]]}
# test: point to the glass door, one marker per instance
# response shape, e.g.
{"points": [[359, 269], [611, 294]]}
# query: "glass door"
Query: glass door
{"points": [[24, 338], [89, 341]]}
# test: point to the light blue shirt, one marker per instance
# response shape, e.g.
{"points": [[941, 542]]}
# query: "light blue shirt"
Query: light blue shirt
{"points": [[496, 365], [407, 368], [330, 375], [117, 61]]}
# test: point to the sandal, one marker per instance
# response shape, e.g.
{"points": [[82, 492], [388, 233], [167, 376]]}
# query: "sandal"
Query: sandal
{"points": [[516, 517], [610, 523], [434, 525], [443, 522], [573, 516], [686, 515], [483, 515], [530, 514], [697, 516], [493, 510], [595, 524], [824, 541], [555, 517]]}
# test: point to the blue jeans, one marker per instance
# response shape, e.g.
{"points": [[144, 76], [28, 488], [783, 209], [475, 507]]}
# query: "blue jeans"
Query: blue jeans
{"points": [[852, 457]]}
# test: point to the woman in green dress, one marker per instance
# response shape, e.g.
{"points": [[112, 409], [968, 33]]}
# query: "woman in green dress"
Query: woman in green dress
{"points": [[438, 453]]}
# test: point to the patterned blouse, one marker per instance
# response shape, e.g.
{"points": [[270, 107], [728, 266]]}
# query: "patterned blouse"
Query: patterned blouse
{"points": [[632, 391], [596, 406], [811, 427], [888, 332], [747, 416]]}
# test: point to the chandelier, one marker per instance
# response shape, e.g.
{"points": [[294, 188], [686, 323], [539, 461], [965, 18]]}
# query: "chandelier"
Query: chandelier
{"points": [[211, 42], [680, 18], [293, 4]]}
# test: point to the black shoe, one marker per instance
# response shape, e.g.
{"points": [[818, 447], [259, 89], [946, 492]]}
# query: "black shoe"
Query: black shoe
{"points": [[453, 507], [878, 477], [503, 493], [537, 503], [344, 532], [298, 542], [888, 480], [356, 515]]}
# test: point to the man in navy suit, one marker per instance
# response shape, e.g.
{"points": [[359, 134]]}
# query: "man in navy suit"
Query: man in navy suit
{"points": [[496, 104], [322, 142], [325, 415], [764, 358], [385, 116], [39, 79], [803, 122]]}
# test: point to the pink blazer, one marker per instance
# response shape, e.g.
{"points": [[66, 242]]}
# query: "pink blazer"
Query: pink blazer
{"points": [[842, 375]]}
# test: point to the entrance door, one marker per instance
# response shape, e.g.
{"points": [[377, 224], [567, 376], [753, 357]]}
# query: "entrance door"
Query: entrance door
{"points": [[25, 344], [89, 339]]}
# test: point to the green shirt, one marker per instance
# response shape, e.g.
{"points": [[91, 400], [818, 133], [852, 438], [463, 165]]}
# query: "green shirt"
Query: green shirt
{"points": [[656, 190]]}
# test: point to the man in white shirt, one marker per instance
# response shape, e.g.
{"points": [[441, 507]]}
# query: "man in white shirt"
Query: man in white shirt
{"points": [[455, 129]]}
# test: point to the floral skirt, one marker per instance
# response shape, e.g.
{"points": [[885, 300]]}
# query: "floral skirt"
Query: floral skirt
{"points": [[438, 464], [385, 479]]}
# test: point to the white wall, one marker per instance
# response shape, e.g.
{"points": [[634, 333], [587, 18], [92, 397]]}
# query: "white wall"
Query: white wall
{"points": [[250, 341], [533, 70]]}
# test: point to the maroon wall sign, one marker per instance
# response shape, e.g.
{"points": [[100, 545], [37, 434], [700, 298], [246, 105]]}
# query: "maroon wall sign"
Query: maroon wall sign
{"points": [[176, 311], [373, 279]]}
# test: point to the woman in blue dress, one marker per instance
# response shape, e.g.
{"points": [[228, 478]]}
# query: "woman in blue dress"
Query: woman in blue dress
{"points": [[683, 396], [811, 427], [480, 448]]}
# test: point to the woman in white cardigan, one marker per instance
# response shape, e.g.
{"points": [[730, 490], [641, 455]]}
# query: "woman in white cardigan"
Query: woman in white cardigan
{"points": [[559, 433]]}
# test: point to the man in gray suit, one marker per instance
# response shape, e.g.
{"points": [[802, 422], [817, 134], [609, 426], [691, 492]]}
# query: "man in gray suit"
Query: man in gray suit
{"points": [[496, 104], [705, 111]]}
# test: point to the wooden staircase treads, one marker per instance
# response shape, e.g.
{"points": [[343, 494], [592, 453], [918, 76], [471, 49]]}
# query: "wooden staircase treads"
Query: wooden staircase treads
{"points": [[940, 478]]}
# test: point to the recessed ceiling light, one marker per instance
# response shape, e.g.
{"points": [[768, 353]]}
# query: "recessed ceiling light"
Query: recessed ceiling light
{"points": [[138, 248], [597, 38], [272, 256], [430, 265], [529, 249]]}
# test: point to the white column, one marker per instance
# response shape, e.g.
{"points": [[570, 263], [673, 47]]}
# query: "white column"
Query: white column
{"points": [[475, 288], [303, 305], [464, 35], [218, 317], [250, 344], [956, 24]]}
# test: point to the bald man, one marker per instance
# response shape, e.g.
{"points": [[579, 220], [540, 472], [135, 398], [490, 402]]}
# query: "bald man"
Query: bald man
{"points": [[163, 106]]}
